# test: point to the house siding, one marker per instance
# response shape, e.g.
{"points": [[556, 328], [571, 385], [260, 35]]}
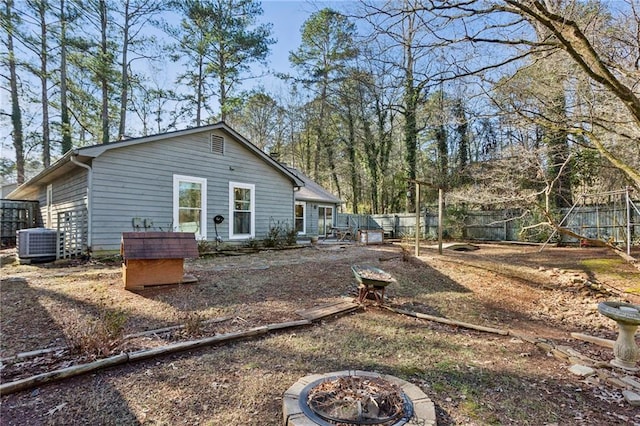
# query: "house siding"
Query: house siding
{"points": [[312, 218], [69, 193], [137, 182]]}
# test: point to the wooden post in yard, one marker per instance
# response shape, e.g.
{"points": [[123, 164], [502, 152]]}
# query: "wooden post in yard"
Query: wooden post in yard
{"points": [[440, 215], [417, 251]]}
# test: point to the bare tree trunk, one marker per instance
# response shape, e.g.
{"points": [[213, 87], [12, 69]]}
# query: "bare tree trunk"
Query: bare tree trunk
{"points": [[224, 108], [199, 90], [411, 94], [443, 155], [462, 129], [44, 84], [16, 113], [324, 142], [410, 137], [124, 89], [66, 144], [386, 143], [371, 152], [307, 151], [577, 45], [351, 153], [104, 74]]}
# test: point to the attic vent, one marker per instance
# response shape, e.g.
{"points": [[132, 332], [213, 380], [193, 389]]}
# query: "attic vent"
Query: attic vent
{"points": [[217, 144]]}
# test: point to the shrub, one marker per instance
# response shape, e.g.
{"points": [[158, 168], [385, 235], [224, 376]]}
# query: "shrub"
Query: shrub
{"points": [[273, 237], [204, 247], [192, 324], [98, 336], [291, 237], [280, 234], [252, 243]]}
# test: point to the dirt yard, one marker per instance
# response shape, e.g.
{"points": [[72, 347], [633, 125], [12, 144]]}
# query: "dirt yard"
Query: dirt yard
{"points": [[473, 377]]}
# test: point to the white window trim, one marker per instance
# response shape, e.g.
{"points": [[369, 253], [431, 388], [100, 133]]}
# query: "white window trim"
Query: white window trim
{"points": [[252, 187], [333, 211], [333, 217], [203, 202], [304, 216]]}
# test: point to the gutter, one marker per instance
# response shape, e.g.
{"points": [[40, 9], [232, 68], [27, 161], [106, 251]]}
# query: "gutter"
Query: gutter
{"points": [[72, 158]]}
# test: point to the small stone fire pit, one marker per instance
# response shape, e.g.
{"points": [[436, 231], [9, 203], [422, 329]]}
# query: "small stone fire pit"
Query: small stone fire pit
{"points": [[356, 398]]}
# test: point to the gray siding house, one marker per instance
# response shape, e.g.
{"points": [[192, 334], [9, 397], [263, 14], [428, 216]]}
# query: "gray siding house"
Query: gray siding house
{"points": [[176, 181], [316, 208]]}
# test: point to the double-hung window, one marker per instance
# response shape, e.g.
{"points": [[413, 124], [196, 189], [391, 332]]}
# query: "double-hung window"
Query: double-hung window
{"points": [[241, 210], [190, 205]]}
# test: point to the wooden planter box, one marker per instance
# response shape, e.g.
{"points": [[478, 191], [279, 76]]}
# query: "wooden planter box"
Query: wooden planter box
{"points": [[155, 258]]}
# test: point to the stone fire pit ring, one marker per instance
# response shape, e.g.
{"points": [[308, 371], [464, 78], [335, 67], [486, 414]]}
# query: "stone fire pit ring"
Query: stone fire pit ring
{"points": [[296, 412]]}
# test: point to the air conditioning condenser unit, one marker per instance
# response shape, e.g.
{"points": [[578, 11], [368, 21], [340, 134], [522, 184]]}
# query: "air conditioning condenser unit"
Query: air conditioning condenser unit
{"points": [[37, 244]]}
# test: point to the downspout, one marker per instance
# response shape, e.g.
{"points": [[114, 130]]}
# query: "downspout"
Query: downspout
{"points": [[89, 195]]}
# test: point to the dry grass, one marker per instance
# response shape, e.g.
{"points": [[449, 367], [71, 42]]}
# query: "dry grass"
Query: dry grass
{"points": [[473, 377], [97, 337]]}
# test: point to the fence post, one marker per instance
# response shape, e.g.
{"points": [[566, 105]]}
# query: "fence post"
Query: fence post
{"points": [[440, 215], [417, 219]]}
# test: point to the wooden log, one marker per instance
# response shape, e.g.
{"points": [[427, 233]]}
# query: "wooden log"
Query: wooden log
{"points": [[329, 309], [172, 328], [193, 344], [561, 355], [545, 346], [593, 339], [291, 324], [46, 351], [29, 382], [33, 353], [23, 384], [450, 322], [525, 337]]}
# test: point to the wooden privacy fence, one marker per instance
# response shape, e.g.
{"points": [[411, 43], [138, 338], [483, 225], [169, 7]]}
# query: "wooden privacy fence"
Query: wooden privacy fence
{"points": [[604, 222], [394, 225], [14, 216]]}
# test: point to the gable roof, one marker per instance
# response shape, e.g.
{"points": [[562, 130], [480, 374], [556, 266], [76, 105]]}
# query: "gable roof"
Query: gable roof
{"points": [[311, 191], [72, 159]]}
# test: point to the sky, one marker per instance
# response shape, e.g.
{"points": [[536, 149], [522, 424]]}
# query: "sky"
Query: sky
{"points": [[286, 17]]}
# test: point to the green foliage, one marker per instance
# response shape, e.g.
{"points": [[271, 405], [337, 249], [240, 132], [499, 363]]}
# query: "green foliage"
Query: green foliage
{"points": [[454, 222], [222, 37], [586, 167], [327, 42], [7, 168]]}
